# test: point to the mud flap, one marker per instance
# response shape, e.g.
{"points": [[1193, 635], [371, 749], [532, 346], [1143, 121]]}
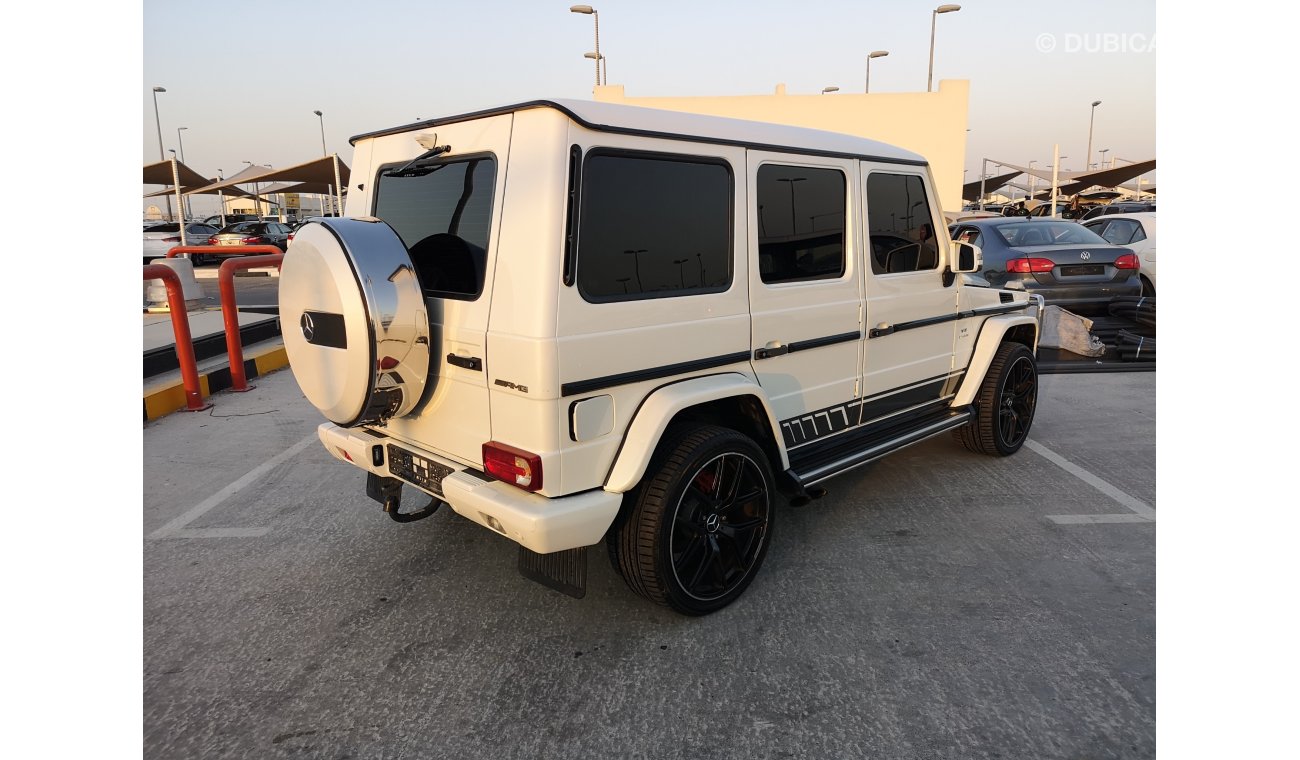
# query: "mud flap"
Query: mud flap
{"points": [[564, 571]]}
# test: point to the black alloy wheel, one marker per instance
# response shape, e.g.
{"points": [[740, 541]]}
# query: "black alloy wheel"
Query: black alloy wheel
{"points": [[1005, 404], [1016, 402], [699, 528]]}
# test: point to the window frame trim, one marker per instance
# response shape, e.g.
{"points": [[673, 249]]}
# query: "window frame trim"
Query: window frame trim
{"points": [[845, 258]]}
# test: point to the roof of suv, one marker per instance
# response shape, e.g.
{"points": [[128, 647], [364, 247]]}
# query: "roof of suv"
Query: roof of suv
{"points": [[654, 122]]}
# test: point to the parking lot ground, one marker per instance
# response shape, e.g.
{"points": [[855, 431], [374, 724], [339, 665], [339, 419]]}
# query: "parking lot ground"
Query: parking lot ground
{"points": [[936, 604]]}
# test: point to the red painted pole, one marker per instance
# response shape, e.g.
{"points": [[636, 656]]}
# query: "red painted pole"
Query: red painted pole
{"points": [[229, 312], [181, 328]]}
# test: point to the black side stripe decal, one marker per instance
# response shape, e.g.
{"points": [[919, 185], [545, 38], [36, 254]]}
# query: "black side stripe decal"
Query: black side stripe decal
{"points": [[821, 423], [986, 312], [653, 373]]}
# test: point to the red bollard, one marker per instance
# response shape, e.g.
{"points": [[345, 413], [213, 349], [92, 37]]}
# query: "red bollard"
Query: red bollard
{"points": [[181, 328], [229, 312]]}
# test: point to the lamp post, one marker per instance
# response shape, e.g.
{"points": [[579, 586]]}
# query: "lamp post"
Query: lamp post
{"points": [[600, 60], [830, 89], [1101, 164], [792, 180], [161, 156], [873, 54], [588, 10], [1032, 177], [325, 152], [185, 212], [1092, 114], [929, 80]]}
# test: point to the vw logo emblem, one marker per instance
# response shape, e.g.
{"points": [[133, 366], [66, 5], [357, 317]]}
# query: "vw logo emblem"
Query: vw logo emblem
{"points": [[712, 522], [308, 328], [1085, 255]]}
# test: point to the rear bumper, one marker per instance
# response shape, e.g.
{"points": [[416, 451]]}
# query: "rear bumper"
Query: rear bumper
{"points": [[542, 524]]}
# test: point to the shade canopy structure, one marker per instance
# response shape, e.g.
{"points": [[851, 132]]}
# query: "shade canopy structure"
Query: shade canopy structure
{"points": [[971, 190], [317, 172], [1074, 182], [160, 173], [325, 175]]}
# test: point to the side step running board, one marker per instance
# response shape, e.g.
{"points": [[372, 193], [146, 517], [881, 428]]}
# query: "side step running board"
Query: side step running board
{"points": [[877, 450]]}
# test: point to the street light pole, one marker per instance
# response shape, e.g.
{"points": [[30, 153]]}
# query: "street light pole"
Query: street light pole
{"points": [[934, 15], [599, 59], [874, 54], [588, 10], [1032, 177], [161, 156], [1092, 114], [325, 152], [185, 212], [792, 180], [984, 172]]}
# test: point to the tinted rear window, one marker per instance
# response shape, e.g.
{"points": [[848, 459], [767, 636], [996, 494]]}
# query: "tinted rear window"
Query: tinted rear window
{"points": [[1048, 233], [653, 226], [443, 213]]}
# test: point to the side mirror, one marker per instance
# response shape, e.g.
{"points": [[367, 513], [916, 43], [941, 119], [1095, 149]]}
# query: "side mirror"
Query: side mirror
{"points": [[969, 258]]}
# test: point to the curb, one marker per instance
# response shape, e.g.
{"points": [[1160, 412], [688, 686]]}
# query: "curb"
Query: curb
{"points": [[165, 396]]}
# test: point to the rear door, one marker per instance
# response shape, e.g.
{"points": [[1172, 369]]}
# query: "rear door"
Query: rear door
{"points": [[911, 307], [446, 211], [805, 292]]}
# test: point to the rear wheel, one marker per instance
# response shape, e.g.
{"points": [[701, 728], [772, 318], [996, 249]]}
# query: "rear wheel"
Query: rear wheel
{"points": [[1148, 289], [699, 529], [1004, 408]]}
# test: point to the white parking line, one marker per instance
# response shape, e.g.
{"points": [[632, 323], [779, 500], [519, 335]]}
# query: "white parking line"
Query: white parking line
{"points": [[176, 527], [1141, 512]]}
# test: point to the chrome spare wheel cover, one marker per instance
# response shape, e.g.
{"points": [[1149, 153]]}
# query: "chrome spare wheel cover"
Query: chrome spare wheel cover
{"points": [[354, 321]]}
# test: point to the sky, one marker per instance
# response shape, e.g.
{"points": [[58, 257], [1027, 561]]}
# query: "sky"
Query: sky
{"points": [[245, 81]]}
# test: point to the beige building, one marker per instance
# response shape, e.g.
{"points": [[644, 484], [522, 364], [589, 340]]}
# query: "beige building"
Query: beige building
{"points": [[930, 123]]}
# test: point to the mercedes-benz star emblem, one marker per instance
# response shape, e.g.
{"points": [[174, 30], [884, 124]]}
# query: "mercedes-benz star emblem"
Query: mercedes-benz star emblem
{"points": [[308, 328], [711, 523]]}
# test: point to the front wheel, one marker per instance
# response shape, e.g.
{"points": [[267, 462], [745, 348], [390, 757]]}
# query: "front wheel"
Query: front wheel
{"points": [[700, 527], [1004, 408]]}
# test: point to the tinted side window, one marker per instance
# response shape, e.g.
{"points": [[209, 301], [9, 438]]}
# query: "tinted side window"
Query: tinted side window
{"points": [[800, 223], [653, 226], [899, 223], [442, 212]]}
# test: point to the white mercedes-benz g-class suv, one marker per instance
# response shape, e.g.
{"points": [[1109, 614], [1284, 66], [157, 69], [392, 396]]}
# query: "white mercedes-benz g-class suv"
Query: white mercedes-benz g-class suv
{"points": [[574, 321]]}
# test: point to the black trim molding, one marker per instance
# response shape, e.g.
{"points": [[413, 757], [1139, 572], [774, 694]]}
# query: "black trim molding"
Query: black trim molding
{"points": [[653, 373], [879, 332]]}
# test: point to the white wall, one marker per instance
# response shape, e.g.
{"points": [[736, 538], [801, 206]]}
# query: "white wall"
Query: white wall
{"points": [[930, 123]]}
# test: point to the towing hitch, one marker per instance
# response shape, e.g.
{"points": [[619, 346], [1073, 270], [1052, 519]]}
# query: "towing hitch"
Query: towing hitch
{"points": [[388, 491]]}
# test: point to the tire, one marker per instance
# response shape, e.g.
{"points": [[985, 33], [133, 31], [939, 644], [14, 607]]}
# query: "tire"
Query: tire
{"points": [[1148, 290], [1004, 408], [701, 522]]}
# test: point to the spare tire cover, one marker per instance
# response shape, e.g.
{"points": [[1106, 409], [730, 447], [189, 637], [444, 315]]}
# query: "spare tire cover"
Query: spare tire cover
{"points": [[354, 322]]}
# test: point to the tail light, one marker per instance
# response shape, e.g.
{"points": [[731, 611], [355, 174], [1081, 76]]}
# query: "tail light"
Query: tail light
{"points": [[171, 239], [212, 240], [514, 466], [254, 240], [1025, 266], [1127, 261]]}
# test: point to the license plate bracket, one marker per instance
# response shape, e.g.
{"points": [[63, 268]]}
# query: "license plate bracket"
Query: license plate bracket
{"points": [[1075, 270], [417, 470]]}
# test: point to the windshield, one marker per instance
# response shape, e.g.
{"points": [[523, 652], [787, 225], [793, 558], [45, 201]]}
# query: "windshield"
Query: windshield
{"points": [[1047, 233], [243, 227], [163, 228]]}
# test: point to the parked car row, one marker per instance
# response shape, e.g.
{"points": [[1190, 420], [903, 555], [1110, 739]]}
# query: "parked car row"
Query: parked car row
{"points": [[159, 239]]}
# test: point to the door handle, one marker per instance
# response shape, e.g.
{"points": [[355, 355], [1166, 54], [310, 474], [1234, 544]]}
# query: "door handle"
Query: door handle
{"points": [[773, 348], [881, 330], [468, 362]]}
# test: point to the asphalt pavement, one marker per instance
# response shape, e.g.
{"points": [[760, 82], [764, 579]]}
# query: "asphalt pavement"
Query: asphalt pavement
{"points": [[936, 604]]}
